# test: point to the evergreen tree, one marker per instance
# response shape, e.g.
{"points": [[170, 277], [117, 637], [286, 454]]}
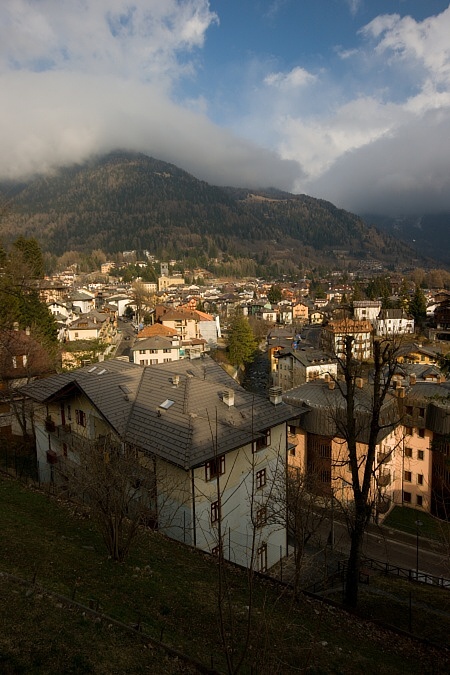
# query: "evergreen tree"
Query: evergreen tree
{"points": [[274, 295], [19, 298], [418, 306], [241, 341], [31, 255]]}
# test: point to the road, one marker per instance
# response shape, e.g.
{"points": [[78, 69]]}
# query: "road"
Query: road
{"points": [[397, 549], [128, 337]]}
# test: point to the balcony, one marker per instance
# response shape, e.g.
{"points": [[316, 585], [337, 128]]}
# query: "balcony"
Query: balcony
{"points": [[383, 505], [384, 479], [50, 426]]}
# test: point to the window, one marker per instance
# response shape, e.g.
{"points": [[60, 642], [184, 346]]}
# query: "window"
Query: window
{"points": [[261, 517], [420, 454], [419, 500], [215, 467], [215, 511], [325, 450], [407, 497], [76, 335], [420, 478], [261, 478], [325, 476], [421, 412], [292, 429], [421, 433], [142, 351], [262, 442], [408, 452], [261, 558], [407, 476], [408, 431], [409, 410], [292, 452], [80, 417]]}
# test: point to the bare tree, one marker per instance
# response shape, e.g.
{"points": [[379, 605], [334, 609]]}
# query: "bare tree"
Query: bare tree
{"points": [[117, 485], [143, 299], [363, 468]]}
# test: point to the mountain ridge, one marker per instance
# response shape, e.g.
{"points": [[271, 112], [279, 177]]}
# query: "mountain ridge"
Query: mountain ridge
{"points": [[124, 201]]}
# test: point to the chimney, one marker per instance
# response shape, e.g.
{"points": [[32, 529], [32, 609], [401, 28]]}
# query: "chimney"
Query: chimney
{"points": [[401, 392], [228, 397], [412, 379], [176, 380], [326, 377], [275, 395], [359, 381], [331, 384]]}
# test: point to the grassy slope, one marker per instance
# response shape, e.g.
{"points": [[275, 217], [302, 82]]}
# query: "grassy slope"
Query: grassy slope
{"points": [[172, 591]]}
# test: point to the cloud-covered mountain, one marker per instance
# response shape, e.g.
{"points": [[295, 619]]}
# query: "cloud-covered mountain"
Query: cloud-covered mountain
{"points": [[125, 201]]}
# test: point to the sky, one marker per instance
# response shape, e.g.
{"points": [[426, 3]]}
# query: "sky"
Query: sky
{"points": [[345, 100]]}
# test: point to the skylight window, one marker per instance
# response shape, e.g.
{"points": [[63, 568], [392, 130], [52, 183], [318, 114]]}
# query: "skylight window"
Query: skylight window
{"points": [[167, 404], [91, 370]]}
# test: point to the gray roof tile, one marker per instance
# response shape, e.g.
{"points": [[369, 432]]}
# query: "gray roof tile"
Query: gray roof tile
{"points": [[198, 425]]}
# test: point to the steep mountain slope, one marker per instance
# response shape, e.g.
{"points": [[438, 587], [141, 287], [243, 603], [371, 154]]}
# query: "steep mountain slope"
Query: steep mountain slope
{"points": [[130, 201], [428, 233]]}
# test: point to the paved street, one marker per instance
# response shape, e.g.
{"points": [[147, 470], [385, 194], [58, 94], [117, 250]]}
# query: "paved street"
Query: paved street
{"points": [[390, 546]]}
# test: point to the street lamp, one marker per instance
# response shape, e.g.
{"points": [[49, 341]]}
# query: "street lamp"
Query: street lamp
{"points": [[418, 524]]}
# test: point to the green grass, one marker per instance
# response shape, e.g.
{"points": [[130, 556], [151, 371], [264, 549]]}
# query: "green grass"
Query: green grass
{"points": [[421, 608], [172, 591], [405, 519]]}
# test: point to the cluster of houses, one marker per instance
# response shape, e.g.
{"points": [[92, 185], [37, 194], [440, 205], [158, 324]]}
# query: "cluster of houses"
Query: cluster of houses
{"points": [[218, 450], [225, 448]]}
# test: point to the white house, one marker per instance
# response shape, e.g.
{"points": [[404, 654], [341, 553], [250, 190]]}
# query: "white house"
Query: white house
{"points": [[84, 300], [393, 322], [366, 310], [221, 446], [153, 350]]}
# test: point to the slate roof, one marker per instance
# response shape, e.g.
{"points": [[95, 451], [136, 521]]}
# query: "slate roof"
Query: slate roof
{"points": [[327, 409], [196, 426], [308, 356], [155, 342]]}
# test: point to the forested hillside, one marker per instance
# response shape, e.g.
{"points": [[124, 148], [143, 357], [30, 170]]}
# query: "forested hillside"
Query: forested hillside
{"points": [[130, 201], [429, 234]]}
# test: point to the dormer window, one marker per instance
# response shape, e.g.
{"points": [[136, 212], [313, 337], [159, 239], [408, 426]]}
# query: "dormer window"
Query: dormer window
{"points": [[215, 467], [262, 442]]}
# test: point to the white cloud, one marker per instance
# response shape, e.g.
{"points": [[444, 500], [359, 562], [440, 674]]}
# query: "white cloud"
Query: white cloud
{"points": [[88, 76], [385, 141], [425, 44], [405, 173], [75, 116], [141, 40], [294, 79], [80, 77], [353, 6]]}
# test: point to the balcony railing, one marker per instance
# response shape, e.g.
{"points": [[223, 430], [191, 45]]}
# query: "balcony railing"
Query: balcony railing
{"points": [[384, 479]]}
